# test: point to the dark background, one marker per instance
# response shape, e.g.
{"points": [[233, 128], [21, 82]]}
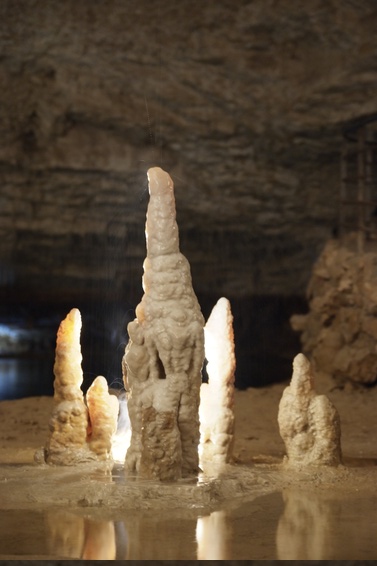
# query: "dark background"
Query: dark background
{"points": [[243, 102]]}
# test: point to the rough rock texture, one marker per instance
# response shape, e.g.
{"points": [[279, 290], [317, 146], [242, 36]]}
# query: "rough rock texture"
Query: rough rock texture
{"points": [[243, 102], [163, 359], [67, 442], [41, 516], [309, 424], [216, 410], [103, 417], [78, 433], [340, 331]]}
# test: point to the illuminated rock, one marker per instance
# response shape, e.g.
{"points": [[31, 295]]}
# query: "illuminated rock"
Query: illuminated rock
{"points": [[309, 423], [67, 442], [73, 438], [217, 396], [103, 415], [163, 359]]}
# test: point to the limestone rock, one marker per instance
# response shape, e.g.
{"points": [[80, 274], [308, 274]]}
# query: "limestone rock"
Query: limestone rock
{"points": [[103, 416], [163, 359], [309, 424], [94, 93], [67, 442], [161, 449], [340, 330], [76, 434]]}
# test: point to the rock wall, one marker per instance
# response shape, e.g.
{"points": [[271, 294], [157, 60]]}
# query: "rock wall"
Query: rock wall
{"points": [[243, 103], [340, 331]]}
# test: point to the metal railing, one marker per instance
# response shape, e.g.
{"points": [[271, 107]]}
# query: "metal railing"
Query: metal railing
{"points": [[358, 181]]}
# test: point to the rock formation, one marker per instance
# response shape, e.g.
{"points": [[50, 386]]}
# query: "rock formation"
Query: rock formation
{"points": [[76, 434], [340, 330], [309, 424], [103, 417], [217, 396], [82, 112], [163, 359]]}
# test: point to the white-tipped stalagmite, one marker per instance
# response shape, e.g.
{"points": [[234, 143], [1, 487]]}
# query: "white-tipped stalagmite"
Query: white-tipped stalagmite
{"points": [[309, 423], [216, 411], [76, 434], [163, 359]]}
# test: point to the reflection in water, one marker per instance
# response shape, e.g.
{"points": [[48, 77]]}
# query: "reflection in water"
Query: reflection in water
{"points": [[73, 536], [65, 534], [319, 525], [327, 526], [304, 530], [212, 536], [139, 537], [99, 541]]}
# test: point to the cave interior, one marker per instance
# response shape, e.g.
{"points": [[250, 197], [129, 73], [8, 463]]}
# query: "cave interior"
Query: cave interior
{"points": [[259, 112]]}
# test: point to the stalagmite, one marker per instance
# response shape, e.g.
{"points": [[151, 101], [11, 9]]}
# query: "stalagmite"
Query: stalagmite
{"points": [[163, 359], [76, 434], [309, 423], [103, 415], [69, 422], [217, 396]]}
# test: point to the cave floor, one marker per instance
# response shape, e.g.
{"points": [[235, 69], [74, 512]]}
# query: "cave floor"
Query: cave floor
{"points": [[253, 509]]}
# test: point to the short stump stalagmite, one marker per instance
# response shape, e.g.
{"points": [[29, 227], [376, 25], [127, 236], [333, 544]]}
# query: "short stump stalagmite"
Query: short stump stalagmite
{"points": [[309, 423]]}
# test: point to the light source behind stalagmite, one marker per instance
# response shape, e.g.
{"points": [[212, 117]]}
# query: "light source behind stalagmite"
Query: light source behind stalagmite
{"points": [[164, 357], [162, 370], [217, 396]]}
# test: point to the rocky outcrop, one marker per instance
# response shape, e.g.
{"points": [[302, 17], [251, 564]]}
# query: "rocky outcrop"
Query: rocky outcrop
{"points": [[339, 332]]}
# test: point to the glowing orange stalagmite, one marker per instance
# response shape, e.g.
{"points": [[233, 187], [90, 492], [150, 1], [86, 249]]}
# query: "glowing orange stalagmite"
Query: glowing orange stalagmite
{"points": [[78, 433]]}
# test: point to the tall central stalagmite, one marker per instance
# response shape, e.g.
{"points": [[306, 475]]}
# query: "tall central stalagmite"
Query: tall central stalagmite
{"points": [[163, 359]]}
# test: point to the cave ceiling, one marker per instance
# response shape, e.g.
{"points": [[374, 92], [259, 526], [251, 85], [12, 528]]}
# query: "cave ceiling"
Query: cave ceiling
{"points": [[243, 102]]}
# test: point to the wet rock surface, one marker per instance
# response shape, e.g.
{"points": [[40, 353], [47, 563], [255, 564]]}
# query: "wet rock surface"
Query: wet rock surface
{"points": [[256, 509]]}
